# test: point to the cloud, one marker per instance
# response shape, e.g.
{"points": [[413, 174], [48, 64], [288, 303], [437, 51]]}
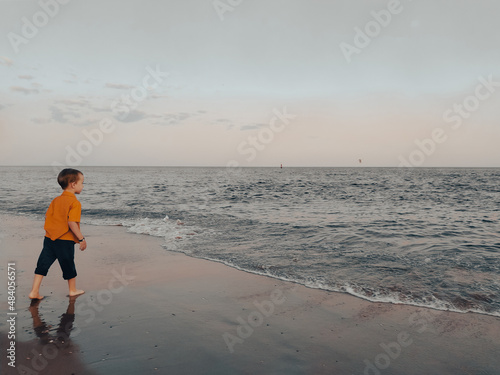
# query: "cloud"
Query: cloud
{"points": [[134, 116], [183, 115], [23, 90], [156, 119], [78, 111], [118, 86], [252, 127], [35, 84], [69, 111], [74, 102], [62, 115], [100, 109], [73, 112], [82, 111], [1, 107], [155, 96], [223, 121], [25, 77], [5, 61], [174, 118]]}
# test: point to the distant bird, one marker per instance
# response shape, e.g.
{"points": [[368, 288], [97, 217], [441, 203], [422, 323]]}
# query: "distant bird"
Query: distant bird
{"points": [[360, 161]]}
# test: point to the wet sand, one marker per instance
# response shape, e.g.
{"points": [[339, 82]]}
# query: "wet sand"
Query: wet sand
{"points": [[150, 311]]}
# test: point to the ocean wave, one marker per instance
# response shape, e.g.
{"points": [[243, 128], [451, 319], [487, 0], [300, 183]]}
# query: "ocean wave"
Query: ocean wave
{"points": [[423, 237], [171, 230]]}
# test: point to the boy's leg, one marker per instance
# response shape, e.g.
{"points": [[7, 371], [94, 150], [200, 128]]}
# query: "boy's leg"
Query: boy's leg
{"points": [[65, 251], [35, 290], [66, 257], [72, 288], [45, 260]]}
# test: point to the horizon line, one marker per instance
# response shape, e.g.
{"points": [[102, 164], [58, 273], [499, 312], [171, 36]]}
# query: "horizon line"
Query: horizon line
{"points": [[231, 167]]}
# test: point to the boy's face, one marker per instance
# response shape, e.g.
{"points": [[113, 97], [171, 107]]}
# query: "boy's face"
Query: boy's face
{"points": [[78, 185]]}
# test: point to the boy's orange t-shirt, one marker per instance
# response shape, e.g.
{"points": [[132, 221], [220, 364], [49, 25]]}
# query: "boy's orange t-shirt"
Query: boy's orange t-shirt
{"points": [[62, 209]]}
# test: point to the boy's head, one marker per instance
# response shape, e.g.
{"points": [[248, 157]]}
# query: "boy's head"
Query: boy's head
{"points": [[69, 176]]}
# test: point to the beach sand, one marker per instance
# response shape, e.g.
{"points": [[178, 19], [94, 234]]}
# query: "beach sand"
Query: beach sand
{"points": [[150, 311]]}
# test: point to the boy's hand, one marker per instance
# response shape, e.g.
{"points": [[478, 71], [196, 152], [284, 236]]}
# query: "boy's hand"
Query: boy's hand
{"points": [[83, 245]]}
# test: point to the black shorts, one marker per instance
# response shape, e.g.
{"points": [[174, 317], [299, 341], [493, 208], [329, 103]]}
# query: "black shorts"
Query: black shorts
{"points": [[63, 251]]}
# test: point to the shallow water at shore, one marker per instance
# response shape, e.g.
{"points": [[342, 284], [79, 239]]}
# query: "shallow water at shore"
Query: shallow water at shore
{"points": [[427, 237]]}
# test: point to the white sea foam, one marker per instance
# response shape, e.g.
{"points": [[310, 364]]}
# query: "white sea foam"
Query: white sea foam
{"points": [[175, 231], [425, 237], [170, 230]]}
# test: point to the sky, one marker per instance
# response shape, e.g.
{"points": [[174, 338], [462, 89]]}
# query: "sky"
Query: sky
{"points": [[335, 83]]}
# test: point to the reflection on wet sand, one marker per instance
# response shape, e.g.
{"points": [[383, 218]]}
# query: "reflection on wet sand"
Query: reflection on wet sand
{"points": [[43, 331], [53, 352]]}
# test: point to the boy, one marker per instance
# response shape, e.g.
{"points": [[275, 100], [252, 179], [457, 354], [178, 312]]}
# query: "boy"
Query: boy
{"points": [[62, 231]]}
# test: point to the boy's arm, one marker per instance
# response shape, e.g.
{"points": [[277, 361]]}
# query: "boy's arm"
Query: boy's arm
{"points": [[73, 226]]}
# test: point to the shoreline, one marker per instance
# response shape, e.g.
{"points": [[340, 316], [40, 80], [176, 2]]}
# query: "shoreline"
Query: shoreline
{"points": [[147, 310], [355, 295], [389, 299]]}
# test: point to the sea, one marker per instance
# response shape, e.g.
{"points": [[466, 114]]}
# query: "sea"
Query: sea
{"points": [[418, 236]]}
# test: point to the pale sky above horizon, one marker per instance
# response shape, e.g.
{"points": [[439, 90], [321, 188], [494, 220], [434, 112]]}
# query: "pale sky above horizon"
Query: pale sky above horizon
{"points": [[223, 70]]}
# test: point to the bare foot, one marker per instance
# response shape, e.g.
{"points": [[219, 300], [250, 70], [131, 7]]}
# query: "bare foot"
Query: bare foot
{"points": [[76, 293], [35, 296]]}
